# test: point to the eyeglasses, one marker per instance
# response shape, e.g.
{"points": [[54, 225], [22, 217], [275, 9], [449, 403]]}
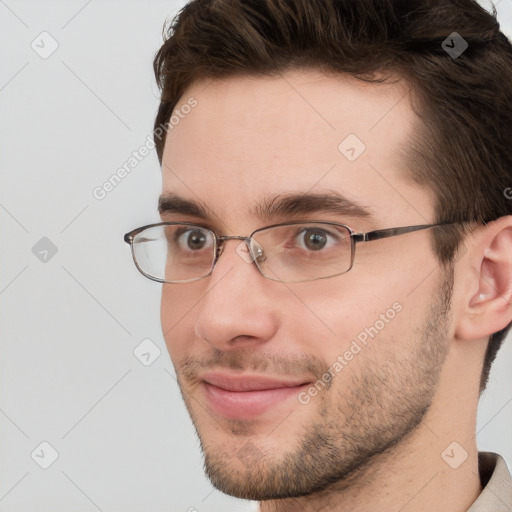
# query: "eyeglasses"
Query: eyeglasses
{"points": [[170, 252]]}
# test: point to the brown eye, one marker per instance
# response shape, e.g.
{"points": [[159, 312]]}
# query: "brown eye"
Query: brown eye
{"points": [[315, 239], [196, 240], [193, 239]]}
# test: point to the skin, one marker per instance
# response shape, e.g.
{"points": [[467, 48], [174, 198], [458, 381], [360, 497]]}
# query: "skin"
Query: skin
{"points": [[374, 438]]}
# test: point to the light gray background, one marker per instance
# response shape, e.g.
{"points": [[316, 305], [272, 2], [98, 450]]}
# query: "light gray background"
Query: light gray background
{"points": [[68, 374]]}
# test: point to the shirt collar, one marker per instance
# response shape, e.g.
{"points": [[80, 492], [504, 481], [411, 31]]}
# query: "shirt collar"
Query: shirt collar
{"points": [[496, 480]]}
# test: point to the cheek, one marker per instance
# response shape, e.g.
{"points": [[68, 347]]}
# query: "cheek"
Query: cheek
{"points": [[168, 314], [176, 313], [334, 314]]}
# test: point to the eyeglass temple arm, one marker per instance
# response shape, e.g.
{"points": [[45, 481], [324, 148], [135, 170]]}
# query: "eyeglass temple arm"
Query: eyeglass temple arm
{"points": [[385, 233]]}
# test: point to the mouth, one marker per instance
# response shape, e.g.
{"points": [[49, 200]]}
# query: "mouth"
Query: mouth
{"points": [[248, 396]]}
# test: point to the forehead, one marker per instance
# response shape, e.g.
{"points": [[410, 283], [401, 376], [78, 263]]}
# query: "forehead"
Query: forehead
{"points": [[250, 137]]}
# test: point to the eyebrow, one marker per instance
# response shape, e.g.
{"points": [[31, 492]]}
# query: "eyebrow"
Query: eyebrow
{"points": [[277, 206]]}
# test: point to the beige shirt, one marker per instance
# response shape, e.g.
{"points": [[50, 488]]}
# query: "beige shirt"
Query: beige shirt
{"points": [[496, 495]]}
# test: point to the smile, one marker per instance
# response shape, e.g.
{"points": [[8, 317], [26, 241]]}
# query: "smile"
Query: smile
{"points": [[245, 396]]}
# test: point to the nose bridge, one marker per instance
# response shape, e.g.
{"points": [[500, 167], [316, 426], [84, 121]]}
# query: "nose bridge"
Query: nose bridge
{"points": [[222, 239], [253, 253]]}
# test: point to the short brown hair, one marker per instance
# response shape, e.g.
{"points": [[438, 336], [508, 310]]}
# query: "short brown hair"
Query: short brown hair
{"points": [[461, 148]]}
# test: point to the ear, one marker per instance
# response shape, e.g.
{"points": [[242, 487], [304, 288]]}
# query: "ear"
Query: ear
{"points": [[487, 306]]}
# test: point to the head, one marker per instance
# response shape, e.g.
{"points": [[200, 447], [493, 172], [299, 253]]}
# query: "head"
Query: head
{"points": [[362, 100]]}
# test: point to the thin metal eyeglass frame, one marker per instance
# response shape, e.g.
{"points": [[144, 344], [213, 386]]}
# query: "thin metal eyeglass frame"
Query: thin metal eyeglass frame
{"points": [[355, 237]]}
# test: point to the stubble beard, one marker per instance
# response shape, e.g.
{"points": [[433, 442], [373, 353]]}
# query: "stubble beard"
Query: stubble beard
{"points": [[380, 408]]}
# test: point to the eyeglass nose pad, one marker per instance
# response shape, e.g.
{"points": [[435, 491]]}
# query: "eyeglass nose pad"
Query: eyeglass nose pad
{"points": [[249, 250], [256, 250]]}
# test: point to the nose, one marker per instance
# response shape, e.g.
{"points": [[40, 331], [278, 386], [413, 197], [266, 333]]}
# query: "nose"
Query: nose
{"points": [[238, 306]]}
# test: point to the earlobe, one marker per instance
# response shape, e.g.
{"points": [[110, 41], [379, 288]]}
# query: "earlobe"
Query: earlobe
{"points": [[489, 304]]}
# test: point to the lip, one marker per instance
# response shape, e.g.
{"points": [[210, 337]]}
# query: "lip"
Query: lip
{"points": [[247, 396]]}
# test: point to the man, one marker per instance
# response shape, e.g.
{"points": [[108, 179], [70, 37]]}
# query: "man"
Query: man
{"points": [[330, 361]]}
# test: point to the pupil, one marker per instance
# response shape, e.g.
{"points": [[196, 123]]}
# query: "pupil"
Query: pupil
{"points": [[196, 240], [316, 240]]}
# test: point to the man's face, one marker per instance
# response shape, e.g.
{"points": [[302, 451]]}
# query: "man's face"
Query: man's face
{"points": [[295, 386]]}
